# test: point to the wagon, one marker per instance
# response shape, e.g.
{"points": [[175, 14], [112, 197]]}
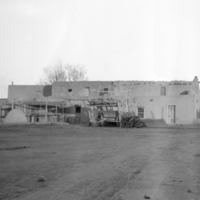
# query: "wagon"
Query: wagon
{"points": [[104, 112]]}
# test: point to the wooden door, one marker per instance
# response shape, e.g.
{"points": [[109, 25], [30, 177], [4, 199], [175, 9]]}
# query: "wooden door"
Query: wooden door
{"points": [[171, 114]]}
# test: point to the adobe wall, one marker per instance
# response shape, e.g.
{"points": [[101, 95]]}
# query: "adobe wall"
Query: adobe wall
{"points": [[156, 107], [197, 106], [28, 92], [151, 88], [79, 90], [95, 89], [4, 108]]}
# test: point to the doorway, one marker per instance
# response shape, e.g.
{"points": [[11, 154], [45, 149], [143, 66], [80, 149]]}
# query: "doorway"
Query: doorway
{"points": [[77, 114], [171, 114]]}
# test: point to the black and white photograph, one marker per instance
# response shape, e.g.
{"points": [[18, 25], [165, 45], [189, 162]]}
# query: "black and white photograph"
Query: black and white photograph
{"points": [[99, 99]]}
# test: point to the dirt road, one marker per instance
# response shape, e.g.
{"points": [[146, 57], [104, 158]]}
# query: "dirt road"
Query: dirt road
{"points": [[87, 163]]}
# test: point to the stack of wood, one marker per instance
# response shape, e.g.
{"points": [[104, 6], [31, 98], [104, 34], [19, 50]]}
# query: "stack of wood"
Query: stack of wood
{"points": [[130, 120]]}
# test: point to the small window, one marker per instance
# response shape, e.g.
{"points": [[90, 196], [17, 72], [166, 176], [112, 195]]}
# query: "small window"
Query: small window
{"points": [[105, 90], [163, 91], [69, 90], [141, 112], [78, 109]]}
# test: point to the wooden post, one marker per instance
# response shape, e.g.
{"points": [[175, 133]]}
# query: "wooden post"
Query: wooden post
{"points": [[24, 108], [63, 113], [56, 113], [46, 112], [84, 103], [127, 109], [12, 104]]}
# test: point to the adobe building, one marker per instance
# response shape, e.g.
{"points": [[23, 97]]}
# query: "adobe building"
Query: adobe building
{"points": [[174, 102], [61, 101], [4, 109]]}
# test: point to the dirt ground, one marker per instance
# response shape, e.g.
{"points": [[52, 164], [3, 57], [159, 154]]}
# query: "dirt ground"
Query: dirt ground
{"points": [[71, 162]]}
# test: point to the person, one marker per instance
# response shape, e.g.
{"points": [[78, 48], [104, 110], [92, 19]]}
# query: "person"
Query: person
{"points": [[100, 114]]}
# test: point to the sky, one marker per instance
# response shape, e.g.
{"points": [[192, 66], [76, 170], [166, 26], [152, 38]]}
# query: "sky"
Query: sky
{"points": [[155, 40]]}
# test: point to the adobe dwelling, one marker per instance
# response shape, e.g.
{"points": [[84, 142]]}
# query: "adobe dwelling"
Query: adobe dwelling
{"points": [[175, 102], [36, 102], [5, 107], [62, 101]]}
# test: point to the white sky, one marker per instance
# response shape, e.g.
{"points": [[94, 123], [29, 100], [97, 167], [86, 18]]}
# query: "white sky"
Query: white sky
{"points": [[114, 39]]}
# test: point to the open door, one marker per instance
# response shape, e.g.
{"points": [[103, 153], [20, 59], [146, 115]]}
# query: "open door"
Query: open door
{"points": [[77, 114], [171, 114]]}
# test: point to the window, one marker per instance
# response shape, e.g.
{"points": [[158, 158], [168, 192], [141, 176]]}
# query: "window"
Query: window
{"points": [[78, 109], [69, 90], [105, 90], [141, 112], [163, 91]]}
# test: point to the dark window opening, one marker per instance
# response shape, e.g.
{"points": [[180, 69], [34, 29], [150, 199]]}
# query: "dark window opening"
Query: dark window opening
{"points": [[105, 90], [141, 112], [69, 90], [78, 109]]}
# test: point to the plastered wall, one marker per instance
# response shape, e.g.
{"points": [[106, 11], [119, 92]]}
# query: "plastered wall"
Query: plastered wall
{"points": [[142, 88], [95, 89], [83, 89], [197, 105], [23, 92], [139, 93], [156, 108]]}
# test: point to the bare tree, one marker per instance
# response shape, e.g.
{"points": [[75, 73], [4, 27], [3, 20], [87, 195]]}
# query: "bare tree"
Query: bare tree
{"points": [[61, 72], [76, 72]]}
